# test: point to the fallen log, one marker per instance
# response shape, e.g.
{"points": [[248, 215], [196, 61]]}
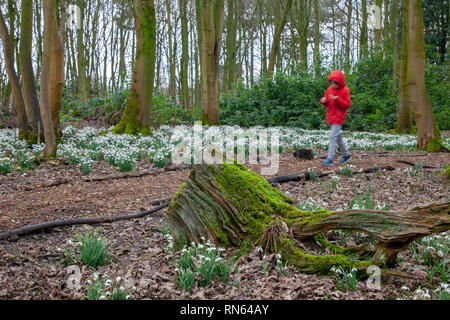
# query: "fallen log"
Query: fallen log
{"points": [[232, 206], [77, 221], [305, 175]]}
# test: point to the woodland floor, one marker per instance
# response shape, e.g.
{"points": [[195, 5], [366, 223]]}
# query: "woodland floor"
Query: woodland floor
{"points": [[31, 266]]}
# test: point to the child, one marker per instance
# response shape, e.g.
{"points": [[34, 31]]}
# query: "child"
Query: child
{"points": [[337, 101]]}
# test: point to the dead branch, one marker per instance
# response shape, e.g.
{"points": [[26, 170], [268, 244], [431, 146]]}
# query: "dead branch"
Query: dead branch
{"points": [[78, 221]]}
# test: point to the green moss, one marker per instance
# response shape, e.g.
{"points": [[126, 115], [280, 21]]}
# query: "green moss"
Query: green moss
{"points": [[317, 264], [260, 205], [129, 123]]}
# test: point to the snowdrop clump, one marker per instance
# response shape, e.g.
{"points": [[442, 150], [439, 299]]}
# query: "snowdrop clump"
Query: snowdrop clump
{"points": [[85, 146]]}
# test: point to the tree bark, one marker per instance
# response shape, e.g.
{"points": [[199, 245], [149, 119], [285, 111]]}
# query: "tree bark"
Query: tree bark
{"points": [[26, 68], [277, 37], [212, 29], [57, 67], [19, 103], [45, 88], [136, 115]]}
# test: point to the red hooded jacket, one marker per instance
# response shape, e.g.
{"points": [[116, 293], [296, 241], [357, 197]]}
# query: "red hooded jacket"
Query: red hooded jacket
{"points": [[337, 109]]}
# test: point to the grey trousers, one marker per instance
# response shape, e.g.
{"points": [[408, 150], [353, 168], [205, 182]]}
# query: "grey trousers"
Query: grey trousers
{"points": [[336, 139]]}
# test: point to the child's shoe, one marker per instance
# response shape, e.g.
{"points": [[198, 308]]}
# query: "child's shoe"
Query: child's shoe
{"points": [[327, 162], [345, 159]]}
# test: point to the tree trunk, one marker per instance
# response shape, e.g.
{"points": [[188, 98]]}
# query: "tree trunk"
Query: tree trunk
{"points": [[184, 55], [316, 38], [413, 93], [230, 205], [303, 17], [428, 135], [82, 82], [277, 37], [45, 89], [378, 31], [364, 39], [26, 67], [348, 34], [136, 115], [172, 84], [25, 131], [212, 28], [57, 67]]}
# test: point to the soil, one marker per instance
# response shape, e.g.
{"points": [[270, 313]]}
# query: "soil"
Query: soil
{"points": [[31, 267]]}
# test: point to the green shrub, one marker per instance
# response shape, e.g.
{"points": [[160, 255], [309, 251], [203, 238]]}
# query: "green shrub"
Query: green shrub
{"points": [[89, 249]]}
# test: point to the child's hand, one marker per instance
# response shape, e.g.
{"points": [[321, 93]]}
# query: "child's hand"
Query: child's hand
{"points": [[323, 100], [334, 98]]}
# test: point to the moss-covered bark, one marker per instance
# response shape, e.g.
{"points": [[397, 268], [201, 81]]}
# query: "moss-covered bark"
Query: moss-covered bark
{"points": [[230, 205], [136, 115]]}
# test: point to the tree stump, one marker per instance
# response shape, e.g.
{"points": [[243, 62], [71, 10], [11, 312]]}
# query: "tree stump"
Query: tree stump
{"points": [[232, 206]]}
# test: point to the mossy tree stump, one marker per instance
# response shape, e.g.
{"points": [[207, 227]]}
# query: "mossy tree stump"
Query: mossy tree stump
{"points": [[230, 205]]}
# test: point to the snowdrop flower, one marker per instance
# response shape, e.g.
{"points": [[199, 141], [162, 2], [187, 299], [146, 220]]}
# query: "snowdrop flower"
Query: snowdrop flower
{"points": [[260, 249], [69, 242], [354, 269], [264, 257], [108, 293], [203, 238], [332, 269], [118, 279], [221, 249], [404, 288], [102, 298], [440, 253], [89, 282], [59, 249], [426, 296], [95, 276], [79, 244], [122, 288], [128, 297], [108, 283], [278, 256], [200, 246]]}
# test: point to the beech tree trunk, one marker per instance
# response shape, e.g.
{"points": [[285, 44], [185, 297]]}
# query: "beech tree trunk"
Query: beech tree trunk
{"points": [[136, 115], [45, 90], [26, 68], [228, 204], [412, 79], [25, 130], [277, 37], [212, 12]]}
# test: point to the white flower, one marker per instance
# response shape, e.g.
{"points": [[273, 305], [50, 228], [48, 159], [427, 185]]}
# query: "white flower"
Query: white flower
{"points": [[108, 293], [108, 283], [95, 276], [350, 275], [89, 282], [59, 249], [122, 288], [102, 298], [426, 296], [264, 257], [404, 288], [278, 256], [203, 238], [440, 253], [354, 269], [69, 242], [118, 279], [128, 297]]}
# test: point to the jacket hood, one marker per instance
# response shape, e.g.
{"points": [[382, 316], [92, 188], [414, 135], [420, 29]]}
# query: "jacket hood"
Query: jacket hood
{"points": [[339, 77]]}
